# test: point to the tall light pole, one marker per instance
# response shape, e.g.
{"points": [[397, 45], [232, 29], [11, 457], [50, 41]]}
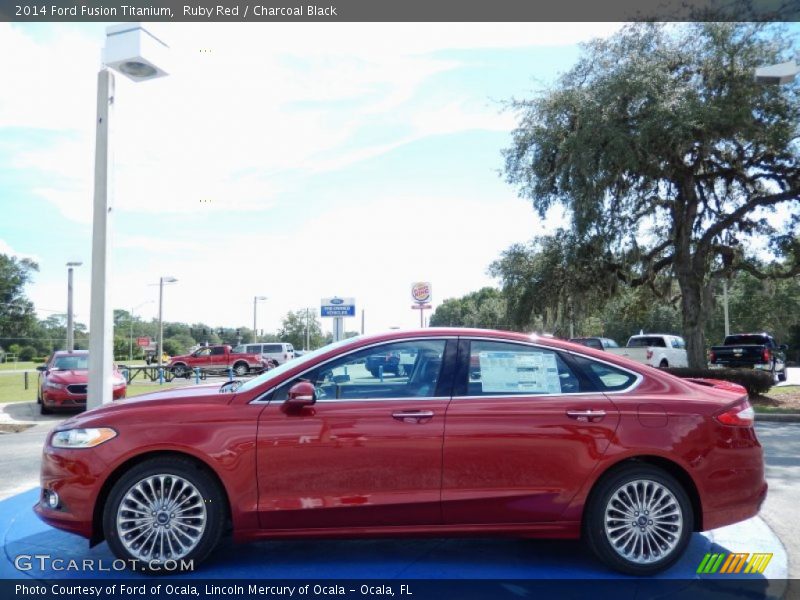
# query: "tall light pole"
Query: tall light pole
{"points": [[70, 323], [135, 53], [161, 283], [130, 319], [255, 304]]}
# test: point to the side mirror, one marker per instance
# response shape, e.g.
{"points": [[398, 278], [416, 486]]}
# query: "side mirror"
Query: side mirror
{"points": [[301, 394], [41, 368], [783, 347]]}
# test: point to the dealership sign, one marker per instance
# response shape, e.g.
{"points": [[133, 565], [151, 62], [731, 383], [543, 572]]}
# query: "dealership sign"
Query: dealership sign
{"points": [[143, 342], [338, 307], [421, 292]]}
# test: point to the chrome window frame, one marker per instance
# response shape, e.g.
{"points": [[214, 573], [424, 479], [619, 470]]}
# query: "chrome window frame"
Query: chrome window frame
{"points": [[259, 399]]}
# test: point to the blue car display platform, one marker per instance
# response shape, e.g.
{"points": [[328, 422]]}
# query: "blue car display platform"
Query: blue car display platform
{"points": [[33, 550]]}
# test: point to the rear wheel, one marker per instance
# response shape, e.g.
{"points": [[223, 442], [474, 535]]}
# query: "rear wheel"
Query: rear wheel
{"points": [[241, 369], [782, 375], [664, 364], [638, 520], [164, 509], [180, 370]]}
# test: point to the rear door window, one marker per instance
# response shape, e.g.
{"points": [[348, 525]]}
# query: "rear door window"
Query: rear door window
{"points": [[505, 368], [606, 378]]}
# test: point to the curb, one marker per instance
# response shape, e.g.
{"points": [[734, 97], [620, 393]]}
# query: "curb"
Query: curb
{"points": [[778, 417]]}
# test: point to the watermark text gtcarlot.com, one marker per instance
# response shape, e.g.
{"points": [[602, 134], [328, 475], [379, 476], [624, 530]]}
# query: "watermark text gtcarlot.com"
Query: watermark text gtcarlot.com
{"points": [[45, 562]]}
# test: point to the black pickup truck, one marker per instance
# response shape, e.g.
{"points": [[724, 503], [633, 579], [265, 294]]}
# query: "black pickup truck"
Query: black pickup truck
{"points": [[751, 351]]}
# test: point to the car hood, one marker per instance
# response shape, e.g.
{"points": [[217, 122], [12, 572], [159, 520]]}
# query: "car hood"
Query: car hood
{"points": [[69, 376], [193, 395]]}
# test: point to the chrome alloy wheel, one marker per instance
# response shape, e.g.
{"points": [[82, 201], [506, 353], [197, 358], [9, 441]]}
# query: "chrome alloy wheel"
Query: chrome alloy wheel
{"points": [[161, 517], [643, 521]]}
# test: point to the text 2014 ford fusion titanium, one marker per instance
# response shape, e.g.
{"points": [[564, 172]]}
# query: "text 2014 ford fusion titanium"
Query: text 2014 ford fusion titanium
{"points": [[482, 432]]}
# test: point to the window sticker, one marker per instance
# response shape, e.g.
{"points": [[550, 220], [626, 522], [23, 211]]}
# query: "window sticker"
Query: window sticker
{"points": [[519, 372]]}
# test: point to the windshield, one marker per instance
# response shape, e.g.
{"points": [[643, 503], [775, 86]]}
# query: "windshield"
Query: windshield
{"points": [[291, 364], [71, 363]]}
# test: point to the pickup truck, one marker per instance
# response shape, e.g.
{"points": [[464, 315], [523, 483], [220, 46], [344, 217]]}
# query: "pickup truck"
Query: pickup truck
{"points": [[750, 351], [655, 349], [216, 358]]}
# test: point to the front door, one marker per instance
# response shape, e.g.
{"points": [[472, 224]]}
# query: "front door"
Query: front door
{"points": [[524, 431], [368, 452]]}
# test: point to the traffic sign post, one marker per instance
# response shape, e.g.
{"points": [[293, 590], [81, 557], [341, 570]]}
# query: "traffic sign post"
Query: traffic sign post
{"points": [[338, 308], [421, 293]]}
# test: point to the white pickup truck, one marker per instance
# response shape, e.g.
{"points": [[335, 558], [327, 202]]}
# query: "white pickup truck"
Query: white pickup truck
{"points": [[655, 349]]}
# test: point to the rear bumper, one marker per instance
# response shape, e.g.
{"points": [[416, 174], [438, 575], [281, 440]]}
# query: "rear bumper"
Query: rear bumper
{"points": [[739, 512]]}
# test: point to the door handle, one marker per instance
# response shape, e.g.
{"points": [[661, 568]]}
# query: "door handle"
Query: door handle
{"points": [[586, 415], [412, 415]]}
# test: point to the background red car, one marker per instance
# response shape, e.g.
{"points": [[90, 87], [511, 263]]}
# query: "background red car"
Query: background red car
{"points": [[487, 433], [63, 382]]}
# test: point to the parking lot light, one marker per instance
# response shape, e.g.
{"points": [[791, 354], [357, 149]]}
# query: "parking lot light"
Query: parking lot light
{"points": [[70, 317], [136, 53], [255, 310]]}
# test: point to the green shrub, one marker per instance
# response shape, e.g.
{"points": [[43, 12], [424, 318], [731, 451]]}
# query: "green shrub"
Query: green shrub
{"points": [[754, 381], [27, 353]]}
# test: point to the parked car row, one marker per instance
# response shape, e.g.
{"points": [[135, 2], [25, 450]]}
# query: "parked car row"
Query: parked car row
{"points": [[739, 351]]}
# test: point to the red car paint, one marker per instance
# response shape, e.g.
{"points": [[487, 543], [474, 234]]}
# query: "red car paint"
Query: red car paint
{"points": [[476, 465], [65, 388]]}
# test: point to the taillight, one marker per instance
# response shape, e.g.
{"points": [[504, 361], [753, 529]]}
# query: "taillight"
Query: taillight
{"points": [[739, 415], [649, 354], [712, 356], [766, 356]]}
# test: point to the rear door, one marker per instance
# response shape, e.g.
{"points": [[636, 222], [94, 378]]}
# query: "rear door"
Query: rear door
{"points": [[367, 453], [525, 429]]}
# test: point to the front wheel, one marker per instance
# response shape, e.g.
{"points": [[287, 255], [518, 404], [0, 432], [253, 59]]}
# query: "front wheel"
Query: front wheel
{"points": [[180, 371], [162, 510], [638, 520]]}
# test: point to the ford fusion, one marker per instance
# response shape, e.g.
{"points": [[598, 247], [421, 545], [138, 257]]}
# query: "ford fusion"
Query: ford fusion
{"points": [[481, 433]]}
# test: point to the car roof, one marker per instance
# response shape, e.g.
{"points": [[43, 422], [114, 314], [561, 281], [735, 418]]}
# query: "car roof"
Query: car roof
{"points": [[70, 352]]}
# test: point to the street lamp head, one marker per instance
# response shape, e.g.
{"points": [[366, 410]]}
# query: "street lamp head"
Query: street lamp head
{"points": [[135, 52], [74, 263], [261, 297], [168, 279], [778, 74]]}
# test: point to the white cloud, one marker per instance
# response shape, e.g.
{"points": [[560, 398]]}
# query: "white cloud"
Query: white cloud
{"points": [[5, 248]]}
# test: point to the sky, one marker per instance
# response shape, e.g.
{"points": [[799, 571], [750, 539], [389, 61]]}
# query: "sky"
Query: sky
{"points": [[290, 160]]}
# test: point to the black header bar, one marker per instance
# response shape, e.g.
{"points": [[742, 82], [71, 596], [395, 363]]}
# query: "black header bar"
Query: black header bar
{"points": [[398, 10]]}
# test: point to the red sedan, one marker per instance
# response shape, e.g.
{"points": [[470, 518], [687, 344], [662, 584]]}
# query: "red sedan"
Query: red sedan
{"points": [[63, 382], [486, 433]]}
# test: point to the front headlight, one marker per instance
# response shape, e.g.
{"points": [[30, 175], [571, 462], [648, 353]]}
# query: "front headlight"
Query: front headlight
{"points": [[82, 438], [55, 386]]}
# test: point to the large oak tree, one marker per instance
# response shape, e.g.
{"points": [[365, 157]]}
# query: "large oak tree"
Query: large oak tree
{"points": [[667, 154]]}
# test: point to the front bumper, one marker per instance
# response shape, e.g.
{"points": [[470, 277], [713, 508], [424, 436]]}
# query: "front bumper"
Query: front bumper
{"points": [[76, 476]]}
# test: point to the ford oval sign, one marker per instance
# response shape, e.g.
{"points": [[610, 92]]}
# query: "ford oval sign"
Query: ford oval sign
{"points": [[337, 301], [421, 292]]}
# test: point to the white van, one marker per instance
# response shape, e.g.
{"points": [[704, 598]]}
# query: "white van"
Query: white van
{"points": [[279, 352]]}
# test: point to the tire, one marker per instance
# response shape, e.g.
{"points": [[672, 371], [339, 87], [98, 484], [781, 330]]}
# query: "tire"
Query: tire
{"points": [[241, 369], [612, 493], [197, 532], [43, 410], [180, 370], [375, 372], [782, 375], [664, 364]]}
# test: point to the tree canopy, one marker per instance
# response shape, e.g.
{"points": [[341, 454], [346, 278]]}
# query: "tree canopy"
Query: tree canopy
{"points": [[670, 159]]}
